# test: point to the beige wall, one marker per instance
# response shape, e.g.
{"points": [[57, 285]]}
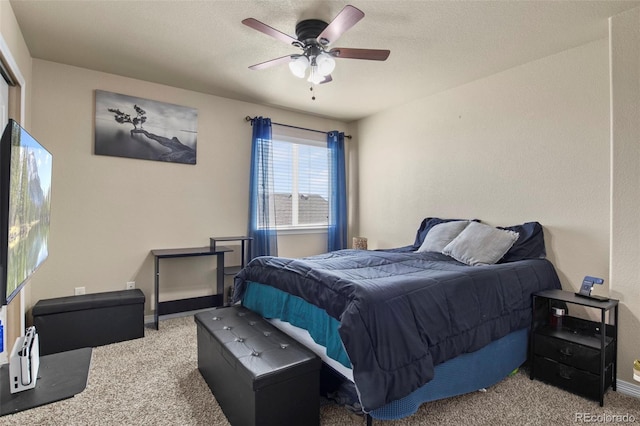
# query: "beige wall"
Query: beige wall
{"points": [[530, 143], [625, 194], [109, 212]]}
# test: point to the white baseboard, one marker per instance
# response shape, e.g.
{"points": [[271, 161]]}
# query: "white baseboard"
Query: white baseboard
{"points": [[627, 388]]}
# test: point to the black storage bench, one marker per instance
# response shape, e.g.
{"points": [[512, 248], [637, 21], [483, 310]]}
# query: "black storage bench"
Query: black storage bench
{"points": [[258, 374], [88, 320]]}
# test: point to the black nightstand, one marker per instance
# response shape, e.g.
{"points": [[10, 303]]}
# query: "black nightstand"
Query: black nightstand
{"points": [[579, 355]]}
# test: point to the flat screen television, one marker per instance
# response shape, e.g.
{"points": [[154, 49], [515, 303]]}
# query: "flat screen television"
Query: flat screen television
{"points": [[25, 208]]}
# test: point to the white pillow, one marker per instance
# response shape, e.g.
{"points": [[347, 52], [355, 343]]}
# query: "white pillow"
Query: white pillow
{"points": [[480, 244], [442, 234]]}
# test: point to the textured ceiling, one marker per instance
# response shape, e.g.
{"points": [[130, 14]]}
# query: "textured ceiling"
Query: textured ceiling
{"points": [[202, 45]]}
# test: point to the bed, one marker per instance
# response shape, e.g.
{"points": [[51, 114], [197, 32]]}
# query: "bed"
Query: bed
{"points": [[446, 315]]}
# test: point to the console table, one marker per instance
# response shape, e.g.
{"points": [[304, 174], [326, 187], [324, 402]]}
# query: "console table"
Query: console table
{"points": [[189, 304]]}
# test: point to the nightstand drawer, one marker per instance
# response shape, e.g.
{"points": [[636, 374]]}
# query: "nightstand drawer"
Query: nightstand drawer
{"points": [[573, 354], [572, 379]]}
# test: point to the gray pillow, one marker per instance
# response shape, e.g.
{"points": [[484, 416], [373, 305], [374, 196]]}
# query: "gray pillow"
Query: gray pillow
{"points": [[480, 244], [442, 234]]}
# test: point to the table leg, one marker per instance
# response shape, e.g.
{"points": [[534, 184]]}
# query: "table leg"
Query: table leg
{"points": [[603, 332], [157, 291], [615, 348], [220, 273]]}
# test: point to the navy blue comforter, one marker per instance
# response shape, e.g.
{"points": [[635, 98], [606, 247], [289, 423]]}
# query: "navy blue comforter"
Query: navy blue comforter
{"points": [[403, 312]]}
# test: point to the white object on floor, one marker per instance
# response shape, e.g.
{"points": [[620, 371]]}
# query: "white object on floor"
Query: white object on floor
{"points": [[24, 362]]}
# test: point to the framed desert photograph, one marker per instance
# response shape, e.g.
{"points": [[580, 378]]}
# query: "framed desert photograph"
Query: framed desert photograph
{"points": [[127, 126]]}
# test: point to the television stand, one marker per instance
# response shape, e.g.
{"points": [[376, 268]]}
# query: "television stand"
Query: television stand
{"points": [[60, 376]]}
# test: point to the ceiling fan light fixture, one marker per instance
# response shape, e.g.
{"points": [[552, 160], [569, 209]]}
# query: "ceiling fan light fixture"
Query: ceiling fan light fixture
{"points": [[314, 75], [326, 64], [299, 66], [314, 36]]}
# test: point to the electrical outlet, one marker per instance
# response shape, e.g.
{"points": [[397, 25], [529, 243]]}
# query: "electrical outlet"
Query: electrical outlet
{"points": [[79, 290], [131, 285]]}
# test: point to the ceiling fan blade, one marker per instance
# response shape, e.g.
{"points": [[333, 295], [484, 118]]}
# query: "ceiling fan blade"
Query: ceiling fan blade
{"points": [[271, 63], [370, 54], [327, 79], [270, 31], [347, 18]]}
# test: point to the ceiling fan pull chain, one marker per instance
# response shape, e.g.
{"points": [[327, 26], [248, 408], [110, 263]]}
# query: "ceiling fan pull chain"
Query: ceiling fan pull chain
{"points": [[313, 96]]}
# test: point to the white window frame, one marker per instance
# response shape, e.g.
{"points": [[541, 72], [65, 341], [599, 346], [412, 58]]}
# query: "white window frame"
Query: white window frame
{"points": [[299, 137]]}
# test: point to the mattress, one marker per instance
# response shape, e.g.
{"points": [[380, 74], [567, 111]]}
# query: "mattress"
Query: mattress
{"points": [[303, 336]]}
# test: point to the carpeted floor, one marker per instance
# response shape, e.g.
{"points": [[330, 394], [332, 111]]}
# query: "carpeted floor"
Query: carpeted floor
{"points": [[155, 381]]}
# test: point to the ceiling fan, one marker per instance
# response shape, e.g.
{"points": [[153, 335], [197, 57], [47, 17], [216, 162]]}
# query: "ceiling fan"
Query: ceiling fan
{"points": [[314, 37]]}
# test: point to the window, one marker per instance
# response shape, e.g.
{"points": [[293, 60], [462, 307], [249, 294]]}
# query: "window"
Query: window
{"points": [[300, 178]]}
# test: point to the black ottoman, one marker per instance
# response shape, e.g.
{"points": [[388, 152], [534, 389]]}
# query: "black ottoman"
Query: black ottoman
{"points": [[258, 374], [88, 320]]}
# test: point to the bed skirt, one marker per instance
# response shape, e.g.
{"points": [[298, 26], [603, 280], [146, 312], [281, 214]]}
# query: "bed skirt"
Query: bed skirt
{"points": [[463, 374]]}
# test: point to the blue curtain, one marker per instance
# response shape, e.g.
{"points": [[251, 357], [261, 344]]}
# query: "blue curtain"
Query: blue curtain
{"points": [[337, 192], [262, 214]]}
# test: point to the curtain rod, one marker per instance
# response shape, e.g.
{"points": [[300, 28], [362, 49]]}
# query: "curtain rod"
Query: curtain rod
{"points": [[247, 118]]}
